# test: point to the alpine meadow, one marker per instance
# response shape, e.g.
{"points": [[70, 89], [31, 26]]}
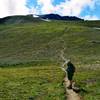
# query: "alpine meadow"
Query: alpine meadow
{"points": [[30, 62]]}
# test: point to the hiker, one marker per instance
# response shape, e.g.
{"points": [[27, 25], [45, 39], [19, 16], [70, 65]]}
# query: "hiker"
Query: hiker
{"points": [[70, 72]]}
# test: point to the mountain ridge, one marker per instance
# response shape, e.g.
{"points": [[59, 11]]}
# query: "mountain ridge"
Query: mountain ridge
{"points": [[59, 17], [30, 18], [18, 19]]}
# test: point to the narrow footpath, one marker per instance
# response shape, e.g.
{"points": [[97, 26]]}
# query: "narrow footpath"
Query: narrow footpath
{"points": [[70, 93]]}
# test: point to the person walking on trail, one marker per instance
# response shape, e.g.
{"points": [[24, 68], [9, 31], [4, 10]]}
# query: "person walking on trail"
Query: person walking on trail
{"points": [[70, 72]]}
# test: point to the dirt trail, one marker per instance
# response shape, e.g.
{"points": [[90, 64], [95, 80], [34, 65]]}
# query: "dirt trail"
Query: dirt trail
{"points": [[70, 94]]}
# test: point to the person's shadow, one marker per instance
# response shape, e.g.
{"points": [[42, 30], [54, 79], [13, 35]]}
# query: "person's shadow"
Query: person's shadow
{"points": [[78, 90]]}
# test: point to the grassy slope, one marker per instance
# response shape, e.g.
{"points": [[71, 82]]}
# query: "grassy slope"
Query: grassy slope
{"points": [[38, 83], [87, 78], [19, 19], [41, 43]]}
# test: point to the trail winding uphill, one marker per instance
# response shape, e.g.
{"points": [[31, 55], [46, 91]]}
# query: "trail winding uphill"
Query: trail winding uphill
{"points": [[70, 93]]}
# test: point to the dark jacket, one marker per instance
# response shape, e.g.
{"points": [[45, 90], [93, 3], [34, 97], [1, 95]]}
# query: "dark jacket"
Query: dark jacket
{"points": [[70, 68]]}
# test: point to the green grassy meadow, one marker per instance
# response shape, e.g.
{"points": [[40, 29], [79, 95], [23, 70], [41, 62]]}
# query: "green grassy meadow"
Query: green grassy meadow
{"points": [[87, 78], [30, 59], [35, 83]]}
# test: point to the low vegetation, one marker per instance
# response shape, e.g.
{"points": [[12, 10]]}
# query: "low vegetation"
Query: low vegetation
{"points": [[88, 80], [31, 83], [30, 59]]}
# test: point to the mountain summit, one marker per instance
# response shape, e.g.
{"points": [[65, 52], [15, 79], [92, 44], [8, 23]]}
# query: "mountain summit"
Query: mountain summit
{"points": [[58, 17]]}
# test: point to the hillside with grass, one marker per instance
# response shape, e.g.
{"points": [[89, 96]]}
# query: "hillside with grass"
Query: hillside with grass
{"points": [[17, 19], [30, 58]]}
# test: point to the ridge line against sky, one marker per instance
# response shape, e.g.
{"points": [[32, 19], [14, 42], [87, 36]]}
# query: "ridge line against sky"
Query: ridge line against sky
{"points": [[87, 9]]}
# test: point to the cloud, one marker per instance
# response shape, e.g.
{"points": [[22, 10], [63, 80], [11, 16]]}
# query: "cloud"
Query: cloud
{"points": [[46, 6], [66, 7], [13, 7], [88, 17], [73, 7]]}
